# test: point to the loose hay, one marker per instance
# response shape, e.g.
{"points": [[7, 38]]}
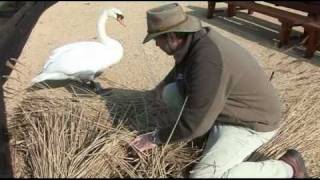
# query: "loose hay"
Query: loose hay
{"points": [[300, 128], [60, 135]]}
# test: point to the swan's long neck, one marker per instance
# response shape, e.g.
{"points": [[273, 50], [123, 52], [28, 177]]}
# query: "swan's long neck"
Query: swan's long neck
{"points": [[106, 40], [102, 35]]}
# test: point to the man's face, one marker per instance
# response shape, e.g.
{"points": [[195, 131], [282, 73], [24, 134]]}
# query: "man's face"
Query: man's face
{"points": [[165, 44]]}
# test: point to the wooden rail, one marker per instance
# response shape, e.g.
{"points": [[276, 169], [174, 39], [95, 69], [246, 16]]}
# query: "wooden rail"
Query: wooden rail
{"points": [[287, 19], [310, 23]]}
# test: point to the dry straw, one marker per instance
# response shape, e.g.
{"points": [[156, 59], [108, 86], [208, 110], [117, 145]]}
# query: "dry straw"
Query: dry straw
{"points": [[299, 130], [56, 134], [75, 133], [298, 86]]}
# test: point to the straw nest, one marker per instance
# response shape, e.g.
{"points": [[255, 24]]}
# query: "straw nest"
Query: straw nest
{"points": [[60, 134]]}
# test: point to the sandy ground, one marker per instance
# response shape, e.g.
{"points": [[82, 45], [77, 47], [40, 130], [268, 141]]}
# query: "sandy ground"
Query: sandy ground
{"points": [[143, 66]]}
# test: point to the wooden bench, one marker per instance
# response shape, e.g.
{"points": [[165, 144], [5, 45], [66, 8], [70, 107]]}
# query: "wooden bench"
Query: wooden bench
{"points": [[212, 6], [312, 30], [287, 19]]}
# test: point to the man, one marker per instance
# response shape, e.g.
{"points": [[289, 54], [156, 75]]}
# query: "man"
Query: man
{"points": [[219, 88]]}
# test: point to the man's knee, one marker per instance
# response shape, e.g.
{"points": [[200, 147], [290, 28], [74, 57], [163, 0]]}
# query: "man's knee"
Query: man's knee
{"points": [[204, 171], [171, 96], [166, 93]]}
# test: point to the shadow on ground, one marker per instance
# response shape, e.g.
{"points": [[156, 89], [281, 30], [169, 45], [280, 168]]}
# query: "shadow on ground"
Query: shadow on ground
{"points": [[137, 108], [254, 29], [72, 86]]}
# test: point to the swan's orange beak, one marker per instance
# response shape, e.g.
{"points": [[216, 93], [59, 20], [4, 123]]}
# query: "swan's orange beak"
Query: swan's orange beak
{"points": [[120, 20]]}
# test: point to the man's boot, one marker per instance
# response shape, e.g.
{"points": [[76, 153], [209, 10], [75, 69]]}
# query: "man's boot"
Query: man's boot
{"points": [[295, 160]]}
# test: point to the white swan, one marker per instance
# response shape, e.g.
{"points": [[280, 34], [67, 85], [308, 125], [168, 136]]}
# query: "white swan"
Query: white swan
{"points": [[83, 61]]}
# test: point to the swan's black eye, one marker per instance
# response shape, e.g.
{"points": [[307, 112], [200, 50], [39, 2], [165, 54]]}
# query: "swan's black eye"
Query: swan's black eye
{"points": [[119, 16]]}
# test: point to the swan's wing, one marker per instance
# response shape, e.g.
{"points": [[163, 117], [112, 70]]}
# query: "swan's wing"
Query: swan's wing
{"points": [[50, 76], [85, 75], [91, 57], [63, 49], [67, 47]]}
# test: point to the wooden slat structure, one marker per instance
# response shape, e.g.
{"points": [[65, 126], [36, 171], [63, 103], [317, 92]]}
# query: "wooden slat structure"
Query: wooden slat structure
{"points": [[310, 7], [287, 19]]}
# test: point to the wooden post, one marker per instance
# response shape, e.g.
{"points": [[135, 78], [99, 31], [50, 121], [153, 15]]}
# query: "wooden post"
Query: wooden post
{"points": [[311, 45], [284, 33], [211, 8], [231, 10], [314, 17]]}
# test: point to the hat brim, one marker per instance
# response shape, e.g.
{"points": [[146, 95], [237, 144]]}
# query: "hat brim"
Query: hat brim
{"points": [[192, 24]]}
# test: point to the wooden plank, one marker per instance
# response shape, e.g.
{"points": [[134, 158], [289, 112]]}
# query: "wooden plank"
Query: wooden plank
{"points": [[287, 19], [301, 6], [314, 24], [273, 12]]}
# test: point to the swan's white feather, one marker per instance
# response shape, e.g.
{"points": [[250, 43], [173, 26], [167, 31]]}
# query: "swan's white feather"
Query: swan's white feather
{"points": [[82, 56], [81, 60]]}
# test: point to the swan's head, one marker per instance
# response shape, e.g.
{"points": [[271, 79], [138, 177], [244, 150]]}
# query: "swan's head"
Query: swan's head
{"points": [[116, 14]]}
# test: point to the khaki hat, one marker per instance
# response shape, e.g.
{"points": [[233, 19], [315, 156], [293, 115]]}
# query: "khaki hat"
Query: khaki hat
{"points": [[169, 18]]}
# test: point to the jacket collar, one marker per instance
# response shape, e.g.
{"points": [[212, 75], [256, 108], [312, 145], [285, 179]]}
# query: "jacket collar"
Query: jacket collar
{"points": [[191, 39]]}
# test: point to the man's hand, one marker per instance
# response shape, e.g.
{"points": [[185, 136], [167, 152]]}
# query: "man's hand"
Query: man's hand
{"points": [[143, 142]]}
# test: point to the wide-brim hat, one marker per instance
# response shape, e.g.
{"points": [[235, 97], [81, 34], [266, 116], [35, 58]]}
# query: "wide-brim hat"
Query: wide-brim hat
{"points": [[170, 18]]}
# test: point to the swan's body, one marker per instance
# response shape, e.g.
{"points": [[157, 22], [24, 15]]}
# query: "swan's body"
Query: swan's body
{"points": [[83, 60]]}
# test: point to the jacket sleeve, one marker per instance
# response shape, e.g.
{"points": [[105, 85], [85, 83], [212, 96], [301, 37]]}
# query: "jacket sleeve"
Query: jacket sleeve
{"points": [[206, 86], [170, 76]]}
